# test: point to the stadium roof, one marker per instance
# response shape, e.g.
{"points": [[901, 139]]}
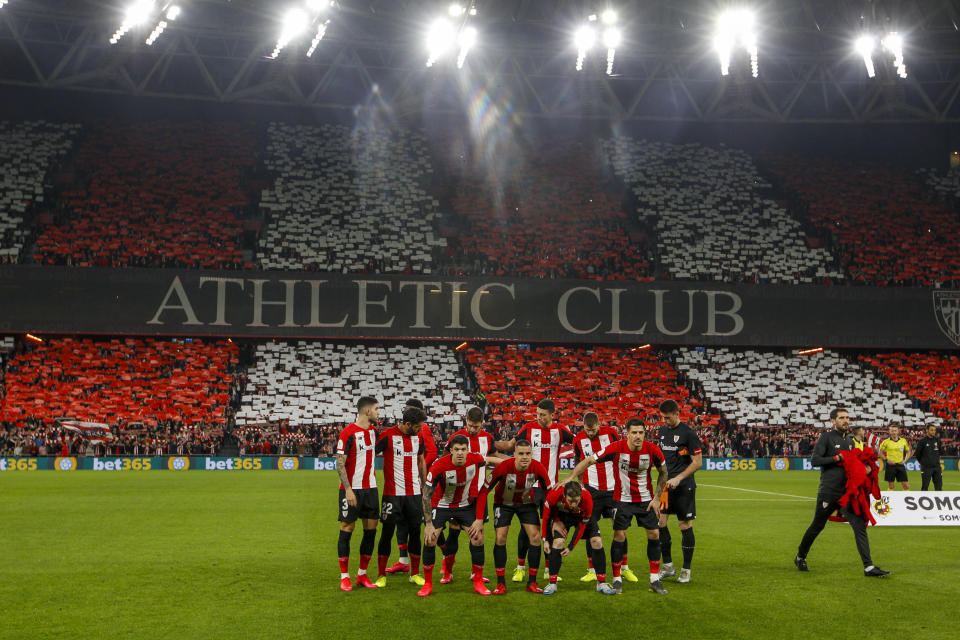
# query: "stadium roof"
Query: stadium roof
{"points": [[665, 70]]}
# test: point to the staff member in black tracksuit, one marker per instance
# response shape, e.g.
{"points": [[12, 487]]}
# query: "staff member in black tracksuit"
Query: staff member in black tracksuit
{"points": [[832, 487], [928, 455]]}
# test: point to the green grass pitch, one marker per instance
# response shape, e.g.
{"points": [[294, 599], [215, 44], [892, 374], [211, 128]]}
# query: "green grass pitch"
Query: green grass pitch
{"points": [[253, 555]]}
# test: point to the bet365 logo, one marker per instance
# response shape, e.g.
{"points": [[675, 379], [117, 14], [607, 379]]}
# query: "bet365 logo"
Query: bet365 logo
{"points": [[882, 506]]}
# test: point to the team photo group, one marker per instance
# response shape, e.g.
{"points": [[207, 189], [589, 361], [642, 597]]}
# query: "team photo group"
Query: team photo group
{"points": [[447, 488]]}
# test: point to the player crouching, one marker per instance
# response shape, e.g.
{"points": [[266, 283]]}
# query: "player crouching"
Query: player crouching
{"points": [[567, 507]]}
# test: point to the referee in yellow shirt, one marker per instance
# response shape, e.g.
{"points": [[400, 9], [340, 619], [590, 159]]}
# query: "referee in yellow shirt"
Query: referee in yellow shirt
{"points": [[895, 450]]}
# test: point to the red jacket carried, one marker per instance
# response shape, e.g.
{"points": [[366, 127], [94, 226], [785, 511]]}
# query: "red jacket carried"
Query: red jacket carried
{"points": [[861, 486]]}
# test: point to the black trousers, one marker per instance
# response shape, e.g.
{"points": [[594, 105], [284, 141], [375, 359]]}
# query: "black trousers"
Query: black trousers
{"points": [[826, 505], [931, 473]]}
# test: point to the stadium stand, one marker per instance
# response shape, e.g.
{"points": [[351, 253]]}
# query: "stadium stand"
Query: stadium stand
{"points": [[766, 389], [549, 218], [132, 380], [309, 383], [710, 217], [885, 227], [616, 383], [348, 200], [157, 194], [931, 377], [27, 152]]}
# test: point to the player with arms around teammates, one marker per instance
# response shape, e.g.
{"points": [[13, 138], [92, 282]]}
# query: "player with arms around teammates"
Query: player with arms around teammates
{"points": [[403, 472], [512, 482], [634, 497], [450, 495], [546, 439]]}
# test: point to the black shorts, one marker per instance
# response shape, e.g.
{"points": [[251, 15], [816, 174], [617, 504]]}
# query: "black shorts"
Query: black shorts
{"points": [[368, 506], [682, 502], [572, 523], [539, 495], [895, 473], [406, 510], [526, 513], [463, 516], [626, 512], [602, 503]]}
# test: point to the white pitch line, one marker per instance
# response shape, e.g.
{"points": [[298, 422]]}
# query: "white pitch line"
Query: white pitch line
{"points": [[750, 500], [769, 493]]}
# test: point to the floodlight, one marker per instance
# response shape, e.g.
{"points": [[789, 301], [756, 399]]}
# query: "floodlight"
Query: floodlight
{"points": [[317, 5], [440, 38], [585, 38], [173, 12], [609, 17], [455, 10], [295, 22], [137, 13], [735, 29]]}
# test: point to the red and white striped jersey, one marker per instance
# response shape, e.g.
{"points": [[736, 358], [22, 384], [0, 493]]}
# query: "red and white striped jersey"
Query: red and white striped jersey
{"points": [[546, 445], [632, 469], [481, 443], [401, 473], [556, 507], [359, 445], [600, 476], [512, 486], [457, 485], [430, 452]]}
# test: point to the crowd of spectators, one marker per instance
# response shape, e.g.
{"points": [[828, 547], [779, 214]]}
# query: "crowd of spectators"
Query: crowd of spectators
{"points": [[548, 214], [713, 217], [28, 150], [885, 226], [348, 200], [155, 194], [132, 380]]}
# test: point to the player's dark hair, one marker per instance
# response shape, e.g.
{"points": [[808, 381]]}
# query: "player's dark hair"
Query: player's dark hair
{"points": [[669, 406], [413, 415], [835, 411], [522, 443], [365, 403], [475, 414], [547, 405], [590, 419], [857, 427], [572, 489], [635, 421], [459, 439], [413, 402]]}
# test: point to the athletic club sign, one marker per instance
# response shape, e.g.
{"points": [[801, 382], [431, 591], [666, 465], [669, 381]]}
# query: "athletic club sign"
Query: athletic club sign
{"points": [[310, 305]]}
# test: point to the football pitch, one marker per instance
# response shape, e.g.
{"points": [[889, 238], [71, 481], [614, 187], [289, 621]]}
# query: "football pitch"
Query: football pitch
{"points": [[253, 555]]}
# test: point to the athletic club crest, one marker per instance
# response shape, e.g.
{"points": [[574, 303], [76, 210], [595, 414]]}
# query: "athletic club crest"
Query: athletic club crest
{"points": [[676, 438], [946, 306]]}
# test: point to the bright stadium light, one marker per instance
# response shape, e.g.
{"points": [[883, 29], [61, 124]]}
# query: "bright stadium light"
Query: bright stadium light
{"points": [[611, 37], [452, 32], [317, 5], [321, 31], [864, 47], [893, 44], [295, 22], [735, 28], [137, 13], [583, 39], [171, 14], [2, 3], [440, 39]]}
